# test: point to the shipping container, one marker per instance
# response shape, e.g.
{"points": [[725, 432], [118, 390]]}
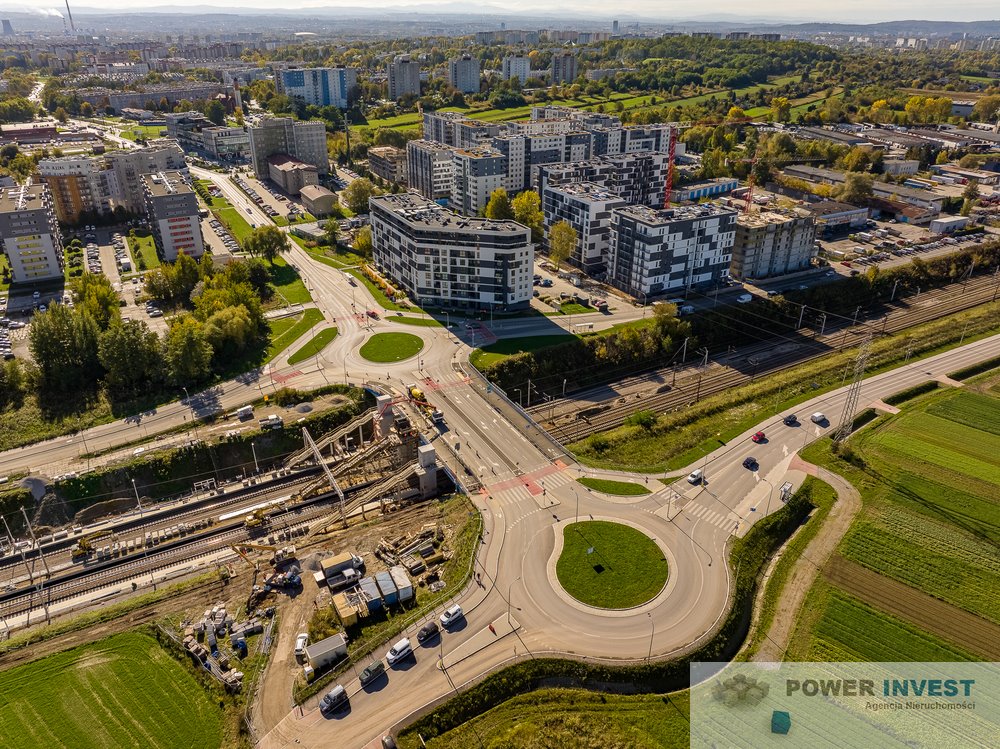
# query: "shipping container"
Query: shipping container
{"points": [[404, 587], [387, 587], [371, 593]]}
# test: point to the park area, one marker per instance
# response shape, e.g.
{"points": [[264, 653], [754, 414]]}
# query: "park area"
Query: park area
{"points": [[124, 691], [917, 577], [391, 347], [610, 565]]}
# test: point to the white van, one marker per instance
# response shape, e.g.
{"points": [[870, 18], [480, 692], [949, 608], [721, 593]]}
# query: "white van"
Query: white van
{"points": [[245, 412]]}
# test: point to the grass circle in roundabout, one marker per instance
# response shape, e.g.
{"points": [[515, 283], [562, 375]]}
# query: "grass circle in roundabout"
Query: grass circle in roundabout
{"points": [[391, 347], [624, 569]]}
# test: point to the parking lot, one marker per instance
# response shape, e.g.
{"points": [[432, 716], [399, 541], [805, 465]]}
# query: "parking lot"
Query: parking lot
{"points": [[271, 200], [218, 237]]}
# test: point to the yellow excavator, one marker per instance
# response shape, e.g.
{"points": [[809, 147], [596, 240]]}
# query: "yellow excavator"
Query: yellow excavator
{"points": [[84, 548]]}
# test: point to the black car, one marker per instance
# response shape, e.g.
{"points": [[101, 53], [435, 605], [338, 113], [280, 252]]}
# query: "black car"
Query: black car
{"points": [[790, 420], [427, 631], [750, 462]]}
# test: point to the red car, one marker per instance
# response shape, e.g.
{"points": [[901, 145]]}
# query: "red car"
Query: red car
{"points": [[759, 437]]}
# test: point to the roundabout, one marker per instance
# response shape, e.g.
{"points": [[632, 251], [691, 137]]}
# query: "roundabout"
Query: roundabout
{"points": [[391, 347], [610, 565]]}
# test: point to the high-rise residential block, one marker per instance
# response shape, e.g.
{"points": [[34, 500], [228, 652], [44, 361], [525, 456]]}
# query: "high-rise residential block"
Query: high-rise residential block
{"points": [[129, 166], [445, 260], [516, 66], [79, 185], [772, 244], [429, 169], [403, 76], [304, 140], [172, 208], [387, 162], [476, 173], [587, 208], [30, 234], [563, 67], [463, 73], [323, 87]]}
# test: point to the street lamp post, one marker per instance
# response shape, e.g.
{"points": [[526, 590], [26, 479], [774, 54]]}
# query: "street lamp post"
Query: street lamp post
{"points": [[137, 500], [253, 448], [520, 400], [509, 587], [652, 630]]}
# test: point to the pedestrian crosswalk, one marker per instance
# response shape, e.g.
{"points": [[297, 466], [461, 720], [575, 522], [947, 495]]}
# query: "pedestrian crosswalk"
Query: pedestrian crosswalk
{"points": [[533, 485], [725, 521]]}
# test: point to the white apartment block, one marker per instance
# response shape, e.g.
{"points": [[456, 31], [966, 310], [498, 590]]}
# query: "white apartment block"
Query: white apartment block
{"points": [[78, 185], [403, 76], [463, 74], [173, 214], [516, 66], [323, 87], [656, 251], [31, 239], [442, 259], [587, 208], [772, 244], [476, 173], [429, 169]]}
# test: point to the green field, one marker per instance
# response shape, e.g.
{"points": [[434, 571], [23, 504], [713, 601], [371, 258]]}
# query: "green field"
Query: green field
{"points": [[119, 692], [319, 342], [391, 347], [286, 330], [287, 283], [564, 718], [626, 568], [619, 488], [484, 357], [144, 247], [234, 221], [147, 132]]}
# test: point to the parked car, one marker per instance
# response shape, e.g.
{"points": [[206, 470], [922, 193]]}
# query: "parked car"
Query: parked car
{"points": [[388, 742], [333, 699], [427, 632], [759, 437], [399, 651], [300, 643], [696, 476], [451, 616], [744, 298], [818, 418], [373, 671]]}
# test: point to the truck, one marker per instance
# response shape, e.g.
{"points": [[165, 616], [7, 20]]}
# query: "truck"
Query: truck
{"points": [[415, 392], [271, 422], [244, 412], [437, 417]]}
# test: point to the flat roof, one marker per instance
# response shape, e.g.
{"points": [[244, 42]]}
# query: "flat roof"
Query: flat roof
{"points": [[286, 163], [312, 192], [660, 216], [24, 198], [828, 207], [417, 210], [588, 190], [165, 183]]}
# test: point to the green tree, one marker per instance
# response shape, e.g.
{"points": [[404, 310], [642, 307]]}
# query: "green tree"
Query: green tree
{"points": [[61, 115], [498, 207], [216, 112], [63, 343], [356, 195], [562, 242], [363, 241], [856, 188], [781, 108], [987, 108], [130, 353], [186, 351], [230, 331], [87, 109], [527, 207], [856, 160], [330, 231], [267, 242], [96, 297]]}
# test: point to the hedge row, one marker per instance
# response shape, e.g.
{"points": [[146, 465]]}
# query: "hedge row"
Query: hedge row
{"points": [[910, 393], [975, 369], [865, 416], [749, 556]]}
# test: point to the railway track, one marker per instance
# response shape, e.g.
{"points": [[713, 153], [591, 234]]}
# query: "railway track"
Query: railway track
{"points": [[666, 389]]}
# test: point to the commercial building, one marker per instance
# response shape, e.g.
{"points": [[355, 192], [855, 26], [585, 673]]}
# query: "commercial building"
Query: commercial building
{"points": [[771, 244], [587, 208], [654, 251], [476, 173], [193, 131], [463, 73], [305, 141], [516, 66], [925, 199], [317, 200], [403, 76], [322, 87], [445, 260], [172, 209], [563, 67], [78, 185], [896, 167], [291, 175], [129, 166], [949, 224], [832, 216], [30, 234], [710, 189], [429, 169], [388, 162]]}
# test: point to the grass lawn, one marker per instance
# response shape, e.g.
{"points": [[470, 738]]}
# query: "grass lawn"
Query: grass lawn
{"points": [[625, 569], [380, 297], [484, 357], [574, 718], [4, 267], [287, 283], [619, 488], [425, 322], [391, 347], [286, 330], [313, 347], [148, 132], [121, 691], [235, 222], [144, 247]]}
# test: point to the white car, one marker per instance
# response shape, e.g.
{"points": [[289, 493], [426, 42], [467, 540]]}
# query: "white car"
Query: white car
{"points": [[818, 418], [300, 643], [399, 651], [744, 298], [451, 616], [696, 476]]}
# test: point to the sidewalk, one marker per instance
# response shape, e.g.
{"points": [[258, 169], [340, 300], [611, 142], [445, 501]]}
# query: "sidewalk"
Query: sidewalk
{"points": [[501, 627]]}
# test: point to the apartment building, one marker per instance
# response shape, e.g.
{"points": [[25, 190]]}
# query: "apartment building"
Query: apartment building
{"points": [[587, 208], [31, 240], [289, 174], [442, 259], [455, 129], [655, 251], [78, 185], [429, 169], [172, 208], [476, 173], [193, 131], [129, 166], [516, 66], [770, 243], [403, 76], [463, 73], [388, 162], [637, 178], [563, 67], [322, 87], [305, 141]]}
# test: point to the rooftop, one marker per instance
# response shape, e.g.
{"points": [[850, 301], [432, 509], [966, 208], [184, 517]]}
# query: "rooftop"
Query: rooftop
{"points": [[830, 207], [23, 198], [766, 218], [420, 212], [661, 216], [312, 192], [165, 183], [285, 163], [587, 190]]}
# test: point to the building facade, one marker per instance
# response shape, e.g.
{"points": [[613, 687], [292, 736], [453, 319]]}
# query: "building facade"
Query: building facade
{"points": [[772, 244], [563, 67], [516, 66], [446, 260], [30, 234], [637, 178], [193, 131], [403, 75], [429, 169], [388, 162], [291, 175], [172, 208], [476, 173], [587, 208], [129, 166], [304, 140], [78, 185], [656, 251], [463, 74], [322, 87]]}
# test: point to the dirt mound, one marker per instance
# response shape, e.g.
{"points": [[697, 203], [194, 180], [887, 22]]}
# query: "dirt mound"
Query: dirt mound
{"points": [[104, 509]]}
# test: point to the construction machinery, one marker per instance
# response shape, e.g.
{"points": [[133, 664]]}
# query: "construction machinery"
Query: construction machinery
{"points": [[84, 548]]}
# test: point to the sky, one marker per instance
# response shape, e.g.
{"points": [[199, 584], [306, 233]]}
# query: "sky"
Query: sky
{"points": [[844, 11]]}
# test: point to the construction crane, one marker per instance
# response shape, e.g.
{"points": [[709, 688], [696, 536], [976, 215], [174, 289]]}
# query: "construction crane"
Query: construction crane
{"points": [[757, 158], [675, 128]]}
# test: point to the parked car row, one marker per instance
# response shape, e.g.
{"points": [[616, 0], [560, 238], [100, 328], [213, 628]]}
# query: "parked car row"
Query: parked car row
{"points": [[256, 198], [223, 233], [121, 255]]}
